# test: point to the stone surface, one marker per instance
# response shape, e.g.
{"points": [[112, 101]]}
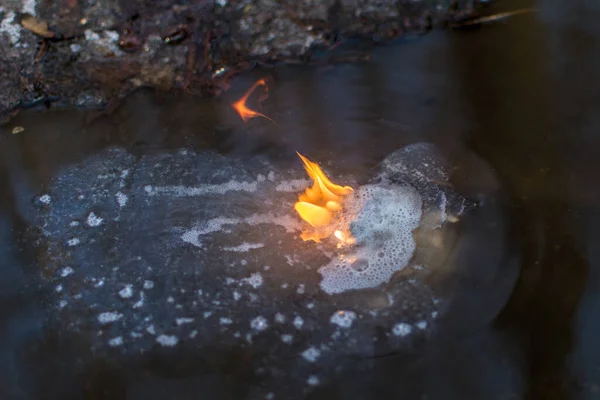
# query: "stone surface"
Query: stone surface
{"points": [[178, 266]]}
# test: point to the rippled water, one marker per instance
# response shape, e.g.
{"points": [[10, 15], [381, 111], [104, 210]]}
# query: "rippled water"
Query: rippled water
{"points": [[153, 252]]}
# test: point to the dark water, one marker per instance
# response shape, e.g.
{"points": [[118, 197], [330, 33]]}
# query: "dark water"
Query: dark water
{"points": [[511, 105]]}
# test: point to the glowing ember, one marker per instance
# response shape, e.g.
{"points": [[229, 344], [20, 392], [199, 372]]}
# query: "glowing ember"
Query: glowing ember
{"points": [[243, 110], [320, 204]]}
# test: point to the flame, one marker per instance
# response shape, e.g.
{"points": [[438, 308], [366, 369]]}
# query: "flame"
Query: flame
{"points": [[320, 203], [240, 105]]}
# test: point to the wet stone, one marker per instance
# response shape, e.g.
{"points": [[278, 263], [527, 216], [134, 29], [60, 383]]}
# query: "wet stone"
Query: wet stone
{"points": [[167, 280]]}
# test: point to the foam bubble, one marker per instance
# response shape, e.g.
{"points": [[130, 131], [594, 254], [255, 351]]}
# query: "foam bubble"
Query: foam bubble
{"points": [[46, 199], [402, 329], [108, 317], [259, 324], [343, 319], [311, 354], [93, 220], [167, 340], [383, 219]]}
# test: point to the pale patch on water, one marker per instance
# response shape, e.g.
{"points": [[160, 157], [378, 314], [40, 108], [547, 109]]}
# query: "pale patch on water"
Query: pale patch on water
{"points": [[298, 322], [126, 292], [259, 324], [402, 329], [311, 354], [167, 340], [108, 317], [293, 185], [46, 199], [93, 220], [255, 280], [73, 242], [116, 341], [343, 319], [244, 247], [122, 199], [193, 235], [203, 190]]}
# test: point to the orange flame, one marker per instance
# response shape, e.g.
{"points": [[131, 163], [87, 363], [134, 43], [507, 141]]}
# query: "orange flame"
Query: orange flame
{"points": [[320, 203], [240, 105]]}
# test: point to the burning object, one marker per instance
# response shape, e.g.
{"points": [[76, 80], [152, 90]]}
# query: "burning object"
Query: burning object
{"points": [[241, 107], [320, 204], [377, 223]]}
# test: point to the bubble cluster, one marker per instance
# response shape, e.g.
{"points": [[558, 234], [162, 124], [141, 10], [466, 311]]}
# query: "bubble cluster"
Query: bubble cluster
{"points": [[343, 319], [383, 218]]}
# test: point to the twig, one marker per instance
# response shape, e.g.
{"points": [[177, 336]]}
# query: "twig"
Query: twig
{"points": [[492, 18]]}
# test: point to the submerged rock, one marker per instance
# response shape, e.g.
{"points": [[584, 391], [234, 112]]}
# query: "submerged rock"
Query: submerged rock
{"points": [[206, 250]]}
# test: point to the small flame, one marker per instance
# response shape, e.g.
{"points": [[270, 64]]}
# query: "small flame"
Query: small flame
{"points": [[243, 110], [320, 203]]}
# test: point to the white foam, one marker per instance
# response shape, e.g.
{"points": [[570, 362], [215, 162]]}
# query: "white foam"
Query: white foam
{"points": [[311, 354], [167, 340], [46, 199], [244, 247], [183, 320], [293, 185], [298, 322], [255, 280], [73, 242], [148, 285], [93, 220], [108, 317], [122, 199], [193, 235], [383, 219], [126, 292], [259, 324], [140, 302], [343, 319], [66, 271], [116, 341], [402, 329], [203, 190]]}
